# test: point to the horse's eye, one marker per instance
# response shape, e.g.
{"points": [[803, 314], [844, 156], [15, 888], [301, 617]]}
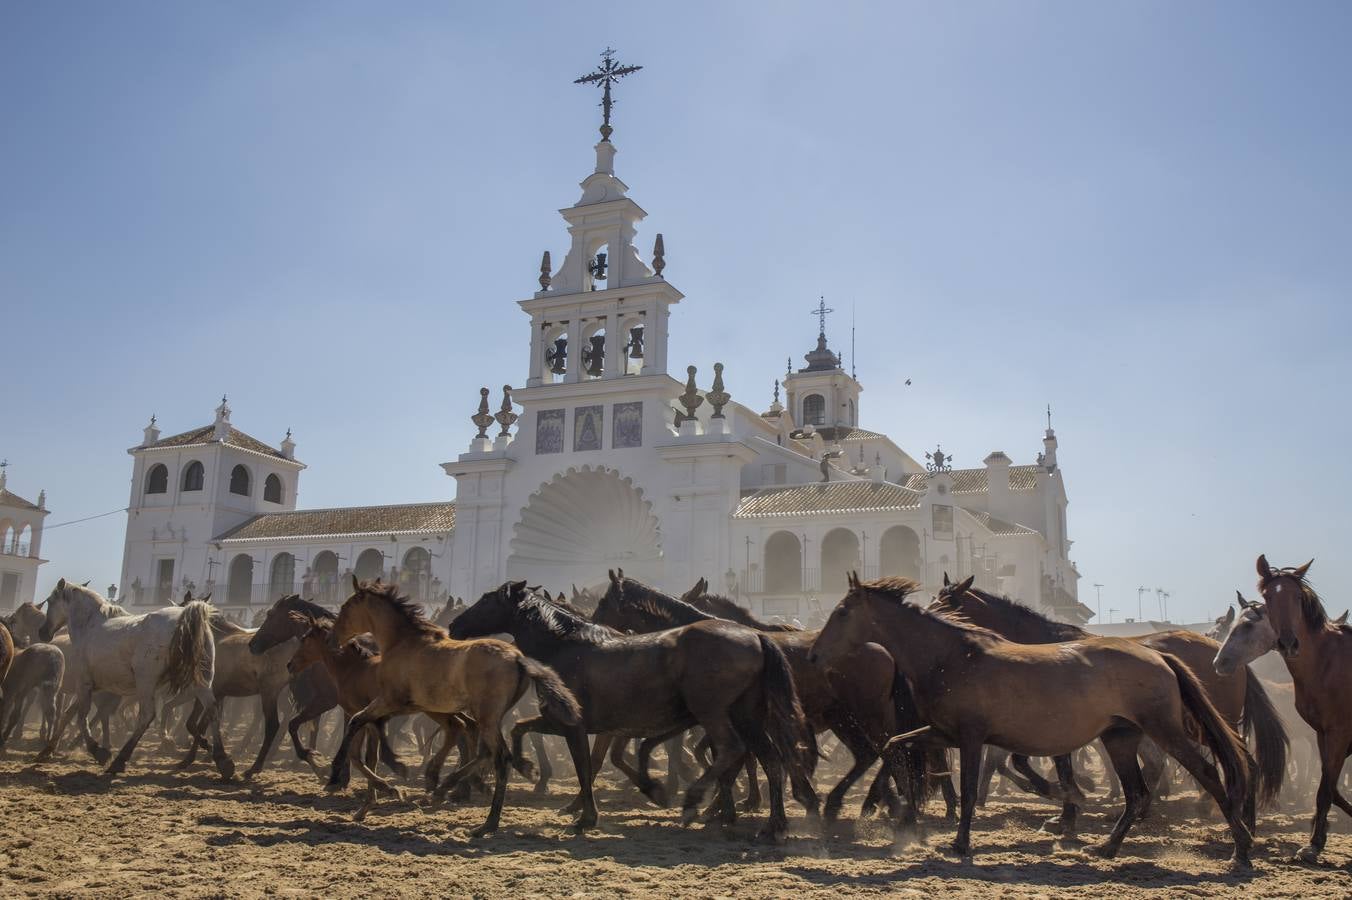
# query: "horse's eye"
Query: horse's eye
{"points": [[844, 612]]}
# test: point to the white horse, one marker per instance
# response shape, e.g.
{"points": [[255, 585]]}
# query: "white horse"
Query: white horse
{"points": [[132, 656]]}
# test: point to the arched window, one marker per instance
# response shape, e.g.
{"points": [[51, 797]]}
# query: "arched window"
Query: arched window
{"points": [[783, 563], [283, 580], [194, 476], [239, 591], [899, 553], [840, 557], [272, 489], [157, 479], [416, 575], [239, 481], [370, 565], [325, 572], [814, 409]]}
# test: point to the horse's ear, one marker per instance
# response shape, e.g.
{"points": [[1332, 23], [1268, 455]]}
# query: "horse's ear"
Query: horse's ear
{"points": [[61, 585], [966, 585], [1301, 570], [86, 584], [1342, 620], [356, 584], [1245, 603], [621, 571], [205, 598], [946, 581], [703, 585], [1229, 615], [1264, 570], [613, 579]]}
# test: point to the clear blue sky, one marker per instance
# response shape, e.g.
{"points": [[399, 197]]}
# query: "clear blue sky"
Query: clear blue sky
{"points": [[1138, 212]]}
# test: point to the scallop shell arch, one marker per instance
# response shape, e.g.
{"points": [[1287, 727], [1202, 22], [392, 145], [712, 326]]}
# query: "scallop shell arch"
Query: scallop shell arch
{"points": [[580, 523]]}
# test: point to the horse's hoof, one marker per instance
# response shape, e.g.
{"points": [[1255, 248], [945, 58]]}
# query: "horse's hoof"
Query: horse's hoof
{"points": [[483, 830], [1240, 861], [960, 848], [249, 774], [1306, 854], [332, 787], [689, 814], [1104, 850], [101, 756], [772, 834], [115, 769], [657, 793], [541, 788], [1052, 825], [748, 806]]}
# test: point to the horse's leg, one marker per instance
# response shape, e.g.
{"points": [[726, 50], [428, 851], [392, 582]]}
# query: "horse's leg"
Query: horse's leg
{"points": [[994, 760], [1122, 745], [651, 788], [1109, 772], [969, 761], [145, 714], [376, 712], [1174, 741], [450, 732], [100, 753], [728, 749], [532, 726], [212, 716], [388, 756], [1065, 776], [753, 795], [675, 752], [195, 729], [310, 713], [66, 715], [576, 736], [1155, 773], [48, 700], [270, 728], [1331, 760], [862, 752], [543, 765], [937, 761], [1036, 784]]}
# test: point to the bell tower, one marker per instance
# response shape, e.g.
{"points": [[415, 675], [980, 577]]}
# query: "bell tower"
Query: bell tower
{"points": [[822, 394], [603, 313]]}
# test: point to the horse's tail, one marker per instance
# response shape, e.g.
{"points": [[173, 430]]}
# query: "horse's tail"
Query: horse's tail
{"points": [[556, 701], [192, 653], [785, 725], [913, 756], [1227, 746], [1269, 737]]}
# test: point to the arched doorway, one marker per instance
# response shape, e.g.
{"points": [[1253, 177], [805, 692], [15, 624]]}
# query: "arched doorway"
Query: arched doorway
{"points": [[582, 523], [840, 557], [325, 572], [416, 574], [899, 553], [283, 578], [239, 590], [783, 563], [370, 565]]}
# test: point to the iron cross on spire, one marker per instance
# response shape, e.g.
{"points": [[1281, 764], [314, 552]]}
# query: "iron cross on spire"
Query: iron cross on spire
{"points": [[820, 311], [605, 75]]}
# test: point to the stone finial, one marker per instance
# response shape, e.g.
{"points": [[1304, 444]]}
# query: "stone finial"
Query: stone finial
{"points": [[4, 464], [221, 429], [718, 397], [151, 433], [42, 499], [659, 256], [691, 399], [788, 366], [483, 418], [288, 446], [506, 418], [776, 408], [544, 272]]}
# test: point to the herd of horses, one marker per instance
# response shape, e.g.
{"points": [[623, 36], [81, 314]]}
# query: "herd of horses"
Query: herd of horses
{"points": [[700, 677]]}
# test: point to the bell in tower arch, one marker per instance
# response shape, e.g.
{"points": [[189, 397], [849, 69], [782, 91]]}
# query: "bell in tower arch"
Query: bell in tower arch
{"points": [[594, 357], [557, 356]]}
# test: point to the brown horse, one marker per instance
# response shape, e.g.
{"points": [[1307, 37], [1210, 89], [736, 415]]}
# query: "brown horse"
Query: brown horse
{"points": [[423, 670], [1238, 695], [1318, 654], [974, 687], [6, 652]]}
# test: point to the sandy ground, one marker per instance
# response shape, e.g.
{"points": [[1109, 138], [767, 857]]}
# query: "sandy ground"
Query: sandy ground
{"points": [[66, 830]]}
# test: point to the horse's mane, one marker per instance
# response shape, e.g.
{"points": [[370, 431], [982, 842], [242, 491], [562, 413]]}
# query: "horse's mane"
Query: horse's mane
{"points": [[297, 603], [411, 612], [727, 608], [222, 625], [106, 608], [562, 603], [650, 600], [1014, 609], [562, 622], [897, 589]]}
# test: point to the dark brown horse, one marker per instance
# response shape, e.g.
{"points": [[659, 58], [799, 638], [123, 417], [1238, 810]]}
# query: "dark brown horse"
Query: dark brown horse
{"points": [[1239, 695], [1318, 654], [973, 687], [730, 680]]}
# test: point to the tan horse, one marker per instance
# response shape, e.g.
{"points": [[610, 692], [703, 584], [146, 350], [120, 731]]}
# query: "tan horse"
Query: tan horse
{"points": [[6, 652], [974, 687], [424, 670], [1318, 654]]}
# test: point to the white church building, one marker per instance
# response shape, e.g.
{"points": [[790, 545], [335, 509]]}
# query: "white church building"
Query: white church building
{"points": [[610, 455], [21, 523]]}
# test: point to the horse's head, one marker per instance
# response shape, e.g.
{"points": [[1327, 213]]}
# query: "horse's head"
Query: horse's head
{"points": [[847, 627], [954, 596], [25, 624], [58, 604], [1250, 638], [1220, 629], [611, 608], [278, 626], [355, 616], [313, 633], [492, 614], [1289, 607]]}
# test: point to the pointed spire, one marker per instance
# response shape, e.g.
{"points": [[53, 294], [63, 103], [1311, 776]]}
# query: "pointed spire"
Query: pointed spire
{"points": [[545, 276], [506, 418], [42, 499], [288, 446], [151, 434], [718, 397], [483, 418], [691, 399], [659, 256], [776, 408]]}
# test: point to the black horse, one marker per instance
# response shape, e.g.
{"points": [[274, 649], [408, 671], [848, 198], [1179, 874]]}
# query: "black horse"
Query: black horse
{"points": [[730, 680]]}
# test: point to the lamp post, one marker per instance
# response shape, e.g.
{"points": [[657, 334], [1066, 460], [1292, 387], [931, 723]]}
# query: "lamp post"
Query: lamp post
{"points": [[1098, 600]]}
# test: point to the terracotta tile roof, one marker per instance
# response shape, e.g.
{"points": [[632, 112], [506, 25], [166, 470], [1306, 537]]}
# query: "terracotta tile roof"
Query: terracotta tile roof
{"points": [[999, 526], [973, 481], [845, 433], [206, 435], [407, 518], [9, 498], [837, 496]]}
